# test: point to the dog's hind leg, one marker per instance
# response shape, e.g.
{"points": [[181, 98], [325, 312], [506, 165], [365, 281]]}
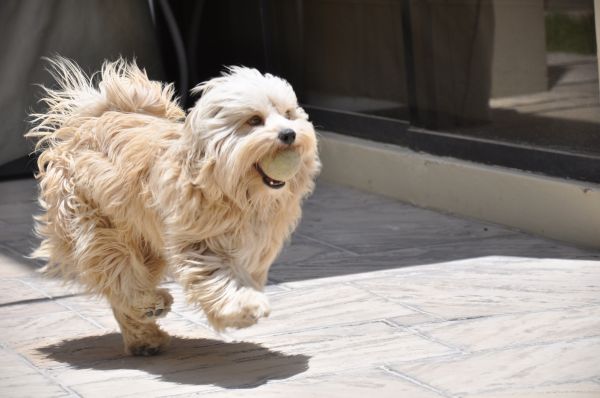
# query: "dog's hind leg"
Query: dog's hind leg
{"points": [[137, 314], [136, 311], [118, 265]]}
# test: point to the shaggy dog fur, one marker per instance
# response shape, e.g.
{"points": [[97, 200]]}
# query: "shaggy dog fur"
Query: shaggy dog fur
{"points": [[133, 190]]}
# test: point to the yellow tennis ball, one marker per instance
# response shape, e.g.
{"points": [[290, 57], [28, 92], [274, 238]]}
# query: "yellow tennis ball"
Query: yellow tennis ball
{"points": [[281, 167]]}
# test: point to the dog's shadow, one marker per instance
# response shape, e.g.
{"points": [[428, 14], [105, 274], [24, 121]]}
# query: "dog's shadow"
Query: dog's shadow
{"points": [[195, 361]]}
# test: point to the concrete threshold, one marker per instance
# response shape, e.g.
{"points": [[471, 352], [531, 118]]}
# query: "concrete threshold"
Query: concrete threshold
{"points": [[564, 210]]}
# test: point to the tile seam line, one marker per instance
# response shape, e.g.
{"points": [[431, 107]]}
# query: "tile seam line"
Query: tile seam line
{"points": [[40, 300], [415, 381], [191, 320], [68, 307], [42, 372], [397, 272], [481, 318], [393, 301], [530, 386], [316, 328], [318, 375], [491, 316], [533, 345], [425, 336], [325, 243], [451, 357], [454, 243], [505, 234], [442, 319]]}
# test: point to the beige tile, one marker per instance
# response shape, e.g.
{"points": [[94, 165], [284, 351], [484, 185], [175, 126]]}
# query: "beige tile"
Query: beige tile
{"points": [[125, 385], [487, 291], [322, 307], [29, 309], [18, 332], [317, 280], [568, 390], [346, 347], [512, 369], [409, 263], [93, 308], [415, 318], [509, 330], [182, 307], [52, 287], [17, 379], [175, 325], [532, 274], [375, 383], [15, 291], [30, 385], [12, 365]]}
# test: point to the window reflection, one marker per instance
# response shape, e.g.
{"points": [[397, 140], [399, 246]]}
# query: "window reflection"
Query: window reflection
{"points": [[520, 71]]}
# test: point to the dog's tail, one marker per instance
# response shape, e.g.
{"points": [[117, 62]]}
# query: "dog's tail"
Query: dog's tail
{"points": [[120, 86]]}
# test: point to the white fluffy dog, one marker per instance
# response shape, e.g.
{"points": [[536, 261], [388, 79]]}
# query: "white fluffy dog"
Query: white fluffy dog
{"points": [[132, 188]]}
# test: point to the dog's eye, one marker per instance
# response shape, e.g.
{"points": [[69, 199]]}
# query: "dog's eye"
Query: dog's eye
{"points": [[255, 121], [288, 114]]}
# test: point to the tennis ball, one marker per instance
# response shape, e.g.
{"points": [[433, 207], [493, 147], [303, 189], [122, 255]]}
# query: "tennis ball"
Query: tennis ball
{"points": [[283, 166]]}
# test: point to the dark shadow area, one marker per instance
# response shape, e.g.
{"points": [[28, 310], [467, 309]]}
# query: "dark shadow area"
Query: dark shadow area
{"points": [[187, 361], [346, 231], [23, 167], [555, 73], [18, 205], [335, 263], [571, 135]]}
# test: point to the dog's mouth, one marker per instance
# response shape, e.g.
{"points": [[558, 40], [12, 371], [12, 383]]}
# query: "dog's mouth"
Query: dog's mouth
{"points": [[270, 182]]}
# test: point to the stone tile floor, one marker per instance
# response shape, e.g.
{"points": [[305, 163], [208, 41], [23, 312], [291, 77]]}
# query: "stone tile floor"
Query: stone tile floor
{"points": [[371, 297]]}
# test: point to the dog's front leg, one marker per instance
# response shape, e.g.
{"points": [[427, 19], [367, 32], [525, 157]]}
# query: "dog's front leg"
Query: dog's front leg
{"points": [[226, 292]]}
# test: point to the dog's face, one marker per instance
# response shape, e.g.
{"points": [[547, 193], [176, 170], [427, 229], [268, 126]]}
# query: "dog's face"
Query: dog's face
{"points": [[243, 117]]}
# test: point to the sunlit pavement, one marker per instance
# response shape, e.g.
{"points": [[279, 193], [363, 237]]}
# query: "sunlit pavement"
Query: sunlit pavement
{"points": [[371, 297]]}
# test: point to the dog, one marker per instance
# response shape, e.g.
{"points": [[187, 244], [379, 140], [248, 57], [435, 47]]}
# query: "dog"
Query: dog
{"points": [[134, 190]]}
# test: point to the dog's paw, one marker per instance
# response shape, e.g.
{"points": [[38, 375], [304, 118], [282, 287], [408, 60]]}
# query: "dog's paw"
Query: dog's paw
{"points": [[151, 344], [240, 310], [156, 306], [144, 350]]}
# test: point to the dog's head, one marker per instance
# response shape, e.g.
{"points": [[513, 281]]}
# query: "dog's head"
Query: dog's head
{"points": [[244, 117]]}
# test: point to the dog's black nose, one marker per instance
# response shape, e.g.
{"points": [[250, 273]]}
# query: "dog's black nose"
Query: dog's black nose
{"points": [[287, 136]]}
